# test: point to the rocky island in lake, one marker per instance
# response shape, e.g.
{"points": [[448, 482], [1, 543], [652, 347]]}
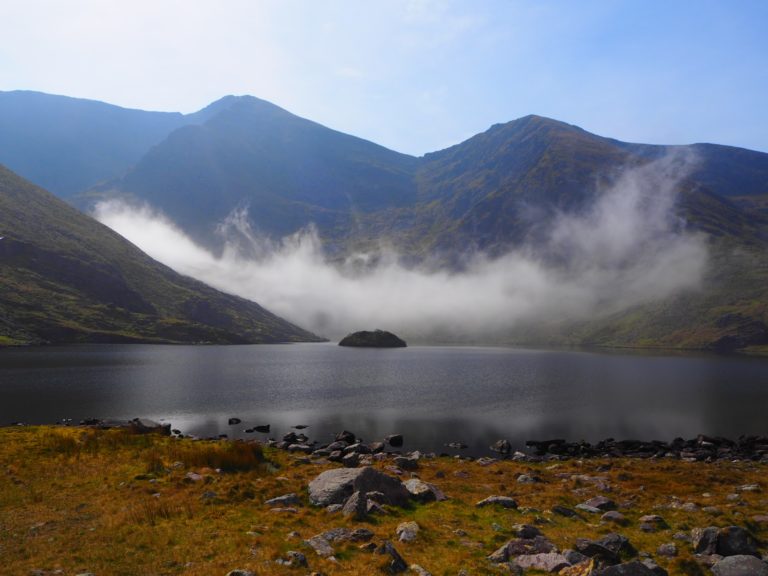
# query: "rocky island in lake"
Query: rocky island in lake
{"points": [[375, 339]]}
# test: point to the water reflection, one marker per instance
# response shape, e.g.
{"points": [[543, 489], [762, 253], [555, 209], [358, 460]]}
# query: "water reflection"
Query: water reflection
{"points": [[433, 395]]}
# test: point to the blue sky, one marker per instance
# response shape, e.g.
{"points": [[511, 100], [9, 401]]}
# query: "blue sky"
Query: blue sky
{"points": [[413, 75]]}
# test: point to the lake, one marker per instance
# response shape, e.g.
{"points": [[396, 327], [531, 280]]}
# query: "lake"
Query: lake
{"points": [[431, 394]]}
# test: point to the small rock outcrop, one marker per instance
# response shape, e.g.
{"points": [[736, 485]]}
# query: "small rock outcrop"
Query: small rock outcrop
{"points": [[375, 339]]}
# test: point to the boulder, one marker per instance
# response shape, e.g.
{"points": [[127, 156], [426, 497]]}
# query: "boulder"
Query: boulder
{"points": [[356, 506], [407, 531], [736, 541], [424, 492], [336, 486], [547, 562], [395, 563], [704, 540], [502, 446], [521, 546], [321, 546], [503, 501], [601, 503], [740, 565], [394, 440], [374, 339]]}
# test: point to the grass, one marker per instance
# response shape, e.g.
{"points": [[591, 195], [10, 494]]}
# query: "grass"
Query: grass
{"points": [[119, 504]]}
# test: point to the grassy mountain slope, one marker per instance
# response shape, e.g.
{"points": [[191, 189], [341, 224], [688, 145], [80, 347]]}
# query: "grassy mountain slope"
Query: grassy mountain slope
{"points": [[66, 278]]}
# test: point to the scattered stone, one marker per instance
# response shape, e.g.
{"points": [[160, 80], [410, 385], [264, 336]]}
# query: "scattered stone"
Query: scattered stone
{"points": [[520, 546], [749, 488], [193, 477], [652, 523], [396, 564], [502, 446], [740, 565], [574, 557], [424, 492], [406, 463], [547, 562], [240, 572], [669, 550], [563, 511], [407, 531], [736, 541], [601, 503], [704, 540], [350, 460], [356, 506], [294, 560], [321, 546], [526, 479], [333, 508], [360, 535], [596, 550], [614, 517], [264, 429], [503, 501], [234, 421], [336, 486], [587, 508], [526, 531], [283, 501], [346, 436], [394, 440], [419, 570]]}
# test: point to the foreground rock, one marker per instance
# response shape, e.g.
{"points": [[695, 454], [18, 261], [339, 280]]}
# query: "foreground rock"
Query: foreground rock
{"points": [[740, 566], [338, 485], [375, 339]]}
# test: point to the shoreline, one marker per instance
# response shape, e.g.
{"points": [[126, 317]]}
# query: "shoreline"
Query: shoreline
{"points": [[703, 448]]}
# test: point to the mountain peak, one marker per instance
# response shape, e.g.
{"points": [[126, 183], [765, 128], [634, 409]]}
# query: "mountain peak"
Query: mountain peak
{"points": [[232, 102]]}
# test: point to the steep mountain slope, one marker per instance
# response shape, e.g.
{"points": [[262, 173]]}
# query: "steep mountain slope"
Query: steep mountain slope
{"points": [[69, 144], [286, 170], [66, 278]]}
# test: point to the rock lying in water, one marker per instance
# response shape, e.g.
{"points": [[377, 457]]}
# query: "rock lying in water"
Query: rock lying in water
{"points": [[375, 339]]}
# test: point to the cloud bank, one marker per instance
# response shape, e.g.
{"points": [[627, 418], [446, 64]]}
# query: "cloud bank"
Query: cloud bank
{"points": [[627, 248]]}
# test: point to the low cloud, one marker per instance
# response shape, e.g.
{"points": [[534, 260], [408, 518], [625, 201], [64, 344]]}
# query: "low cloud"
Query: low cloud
{"points": [[627, 248]]}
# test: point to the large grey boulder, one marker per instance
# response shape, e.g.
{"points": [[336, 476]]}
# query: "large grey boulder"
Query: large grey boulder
{"points": [[336, 486], [741, 565]]}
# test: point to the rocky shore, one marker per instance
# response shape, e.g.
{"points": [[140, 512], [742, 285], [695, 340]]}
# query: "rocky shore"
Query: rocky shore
{"points": [[347, 507]]}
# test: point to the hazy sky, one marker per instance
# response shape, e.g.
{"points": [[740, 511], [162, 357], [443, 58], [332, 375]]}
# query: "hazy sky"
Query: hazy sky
{"points": [[413, 75]]}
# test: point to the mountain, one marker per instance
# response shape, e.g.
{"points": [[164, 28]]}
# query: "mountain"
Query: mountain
{"points": [[494, 192], [488, 193], [66, 278], [67, 145], [285, 170]]}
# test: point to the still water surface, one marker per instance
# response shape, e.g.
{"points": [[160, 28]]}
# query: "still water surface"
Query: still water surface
{"points": [[433, 395]]}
